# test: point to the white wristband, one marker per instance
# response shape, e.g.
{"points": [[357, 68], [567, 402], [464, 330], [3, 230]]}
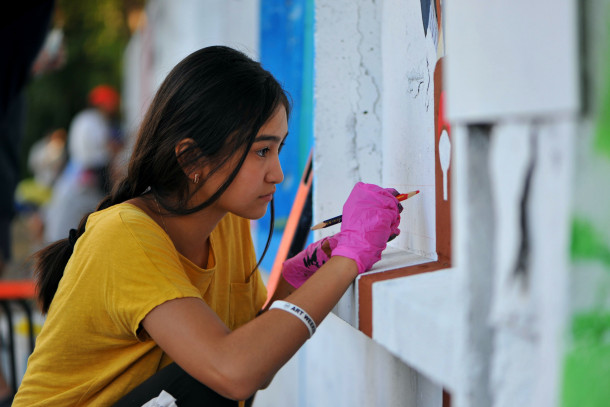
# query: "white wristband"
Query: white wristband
{"points": [[298, 312]]}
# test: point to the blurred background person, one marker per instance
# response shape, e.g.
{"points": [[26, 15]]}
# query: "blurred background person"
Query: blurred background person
{"points": [[47, 157], [46, 160], [106, 100], [92, 144]]}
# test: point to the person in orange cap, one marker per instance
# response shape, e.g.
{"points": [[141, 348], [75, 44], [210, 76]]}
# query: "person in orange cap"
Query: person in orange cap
{"points": [[105, 98]]}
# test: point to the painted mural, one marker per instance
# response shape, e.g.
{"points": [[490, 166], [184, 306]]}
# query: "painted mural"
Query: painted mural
{"points": [[586, 374]]}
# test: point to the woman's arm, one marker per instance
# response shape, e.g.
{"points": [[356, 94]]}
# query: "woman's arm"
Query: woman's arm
{"points": [[284, 288], [236, 364]]}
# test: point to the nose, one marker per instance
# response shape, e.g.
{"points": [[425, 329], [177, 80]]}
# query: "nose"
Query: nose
{"points": [[275, 175]]}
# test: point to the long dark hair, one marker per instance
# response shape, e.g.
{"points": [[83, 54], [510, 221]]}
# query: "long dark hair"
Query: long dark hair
{"points": [[219, 98]]}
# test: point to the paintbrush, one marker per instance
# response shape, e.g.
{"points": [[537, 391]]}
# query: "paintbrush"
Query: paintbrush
{"points": [[337, 219]]}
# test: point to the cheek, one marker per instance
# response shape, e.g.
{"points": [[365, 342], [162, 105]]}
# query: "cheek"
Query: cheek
{"points": [[250, 173], [242, 189]]}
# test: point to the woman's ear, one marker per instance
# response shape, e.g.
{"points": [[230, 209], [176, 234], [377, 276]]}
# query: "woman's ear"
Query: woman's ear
{"points": [[187, 154]]}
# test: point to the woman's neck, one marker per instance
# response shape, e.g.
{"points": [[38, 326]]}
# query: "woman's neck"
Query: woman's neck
{"points": [[189, 233]]}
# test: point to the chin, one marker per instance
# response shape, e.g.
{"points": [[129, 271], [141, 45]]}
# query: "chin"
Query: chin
{"points": [[258, 216], [252, 214]]}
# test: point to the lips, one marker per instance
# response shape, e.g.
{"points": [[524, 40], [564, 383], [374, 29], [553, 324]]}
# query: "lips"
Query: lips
{"points": [[267, 197]]}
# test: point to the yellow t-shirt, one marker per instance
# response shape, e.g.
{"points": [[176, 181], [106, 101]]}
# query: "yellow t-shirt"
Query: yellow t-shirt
{"points": [[124, 265]]}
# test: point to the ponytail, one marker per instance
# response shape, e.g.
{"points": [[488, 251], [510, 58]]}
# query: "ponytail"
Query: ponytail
{"points": [[50, 262]]}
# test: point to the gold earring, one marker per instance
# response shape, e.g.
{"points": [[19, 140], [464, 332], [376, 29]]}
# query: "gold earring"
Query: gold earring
{"points": [[196, 179]]}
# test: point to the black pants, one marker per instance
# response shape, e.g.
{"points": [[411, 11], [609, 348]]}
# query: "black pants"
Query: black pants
{"points": [[185, 389]]}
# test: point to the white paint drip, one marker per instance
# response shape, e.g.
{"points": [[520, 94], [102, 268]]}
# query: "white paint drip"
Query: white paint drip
{"points": [[444, 154]]}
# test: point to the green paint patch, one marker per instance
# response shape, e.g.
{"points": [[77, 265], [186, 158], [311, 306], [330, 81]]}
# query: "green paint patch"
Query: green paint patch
{"points": [[587, 243], [586, 372], [586, 377], [591, 328]]}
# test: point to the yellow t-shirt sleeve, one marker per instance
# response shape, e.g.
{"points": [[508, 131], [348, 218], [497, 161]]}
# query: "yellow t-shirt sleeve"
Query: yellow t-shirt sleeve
{"points": [[145, 269]]}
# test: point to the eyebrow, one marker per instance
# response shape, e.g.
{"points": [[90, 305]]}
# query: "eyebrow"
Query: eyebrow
{"points": [[267, 137]]}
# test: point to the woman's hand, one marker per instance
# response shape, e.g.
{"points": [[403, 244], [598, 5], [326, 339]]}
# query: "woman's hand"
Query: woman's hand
{"points": [[371, 215]]}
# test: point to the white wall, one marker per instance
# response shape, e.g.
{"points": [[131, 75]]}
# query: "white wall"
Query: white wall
{"points": [[408, 59], [374, 111], [348, 104], [341, 367], [487, 330], [511, 59], [523, 83]]}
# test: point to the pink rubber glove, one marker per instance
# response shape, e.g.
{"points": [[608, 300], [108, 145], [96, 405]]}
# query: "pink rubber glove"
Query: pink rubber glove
{"points": [[299, 268], [371, 215]]}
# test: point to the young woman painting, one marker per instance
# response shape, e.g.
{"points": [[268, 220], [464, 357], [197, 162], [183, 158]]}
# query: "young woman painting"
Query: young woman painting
{"points": [[159, 288]]}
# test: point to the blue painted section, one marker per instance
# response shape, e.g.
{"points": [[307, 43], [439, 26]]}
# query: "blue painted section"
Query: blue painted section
{"points": [[286, 50]]}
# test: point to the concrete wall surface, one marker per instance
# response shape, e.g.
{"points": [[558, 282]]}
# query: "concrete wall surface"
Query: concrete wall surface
{"points": [[514, 319], [341, 367]]}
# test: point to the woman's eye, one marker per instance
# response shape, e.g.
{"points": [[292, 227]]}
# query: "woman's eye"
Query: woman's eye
{"points": [[262, 152]]}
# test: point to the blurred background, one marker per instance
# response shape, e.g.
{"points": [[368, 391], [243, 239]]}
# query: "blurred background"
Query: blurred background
{"points": [[83, 48], [93, 38]]}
